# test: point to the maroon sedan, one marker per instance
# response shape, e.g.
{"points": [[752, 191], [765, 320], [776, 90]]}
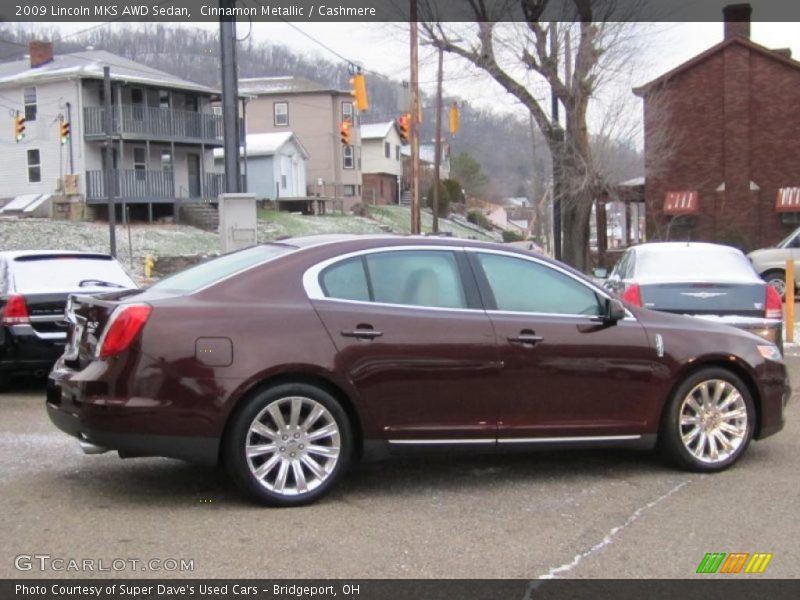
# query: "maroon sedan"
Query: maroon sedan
{"points": [[289, 360]]}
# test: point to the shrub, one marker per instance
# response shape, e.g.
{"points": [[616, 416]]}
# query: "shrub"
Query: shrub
{"points": [[511, 236], [476, 217]]}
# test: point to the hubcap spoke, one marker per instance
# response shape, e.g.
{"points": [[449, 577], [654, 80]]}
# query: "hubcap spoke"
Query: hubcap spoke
{"points": [[329, 451], [264, 469], [280, 479], [299, 477], [323, 432], [264, 431], [277, 416], [294, 415], [313, 466], [260, 450], [312, 417]]}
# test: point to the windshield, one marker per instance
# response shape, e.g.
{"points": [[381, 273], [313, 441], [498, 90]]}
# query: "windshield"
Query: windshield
{"points": [[68, 272], [194, 278], [787, 241], [694, 263]]}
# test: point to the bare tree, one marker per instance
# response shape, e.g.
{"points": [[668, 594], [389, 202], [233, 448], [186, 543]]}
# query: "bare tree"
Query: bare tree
{"points": [[517, 56]]}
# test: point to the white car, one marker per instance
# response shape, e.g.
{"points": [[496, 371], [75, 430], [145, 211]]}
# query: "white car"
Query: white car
{"points": [[770, 263]]}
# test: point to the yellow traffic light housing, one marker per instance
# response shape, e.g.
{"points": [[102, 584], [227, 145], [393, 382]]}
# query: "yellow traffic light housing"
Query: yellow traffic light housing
{"points": [[455, 118], [19, 128], [359, 84], [344, 131], [404, 123], [63, 129]]}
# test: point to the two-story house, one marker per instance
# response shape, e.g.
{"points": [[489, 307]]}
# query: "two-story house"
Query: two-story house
{"points": [[163, 132], [382, 162], [314, 113]]}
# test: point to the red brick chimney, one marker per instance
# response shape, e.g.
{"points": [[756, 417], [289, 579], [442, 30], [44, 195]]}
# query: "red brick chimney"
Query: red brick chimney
{"points": [[737, 20], [41, 53]]}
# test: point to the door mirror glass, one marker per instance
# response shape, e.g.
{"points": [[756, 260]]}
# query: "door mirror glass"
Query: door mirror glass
{"points": [[600, 272]]}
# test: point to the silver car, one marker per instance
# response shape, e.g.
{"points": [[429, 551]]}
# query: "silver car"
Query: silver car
{"points": [[770, 263]]}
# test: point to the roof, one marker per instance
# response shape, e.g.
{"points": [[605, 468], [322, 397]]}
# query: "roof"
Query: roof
{"points": [[89, 65], [643, 90], [14, 254], [267, 144], [283, 85], [377, 130]]}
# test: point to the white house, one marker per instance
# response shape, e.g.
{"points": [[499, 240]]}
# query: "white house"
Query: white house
{"points": [[163, 132], [275, 166], [382, 162]]}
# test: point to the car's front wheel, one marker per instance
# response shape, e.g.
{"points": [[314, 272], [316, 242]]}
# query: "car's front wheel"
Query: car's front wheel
{"points": [[289, 444], [709, 421], [777, 279]]}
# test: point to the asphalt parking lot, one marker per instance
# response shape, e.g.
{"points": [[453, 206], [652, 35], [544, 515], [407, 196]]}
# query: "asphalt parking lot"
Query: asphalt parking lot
{"points": [[576, 514]]}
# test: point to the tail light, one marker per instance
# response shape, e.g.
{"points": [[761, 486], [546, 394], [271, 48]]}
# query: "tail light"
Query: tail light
{"points": [[126, 323], [633, 295], [774, 308], [15, 312]]}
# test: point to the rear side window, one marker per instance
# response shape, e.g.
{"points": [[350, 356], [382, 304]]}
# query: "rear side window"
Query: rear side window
{"points": [[194, 278], [68, 272], [346, 280], [405, 277], [521, 285]]}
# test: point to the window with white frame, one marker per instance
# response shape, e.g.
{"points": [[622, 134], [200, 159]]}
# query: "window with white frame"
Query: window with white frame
{"points": [[34, 166], [281, 114], [348, 161], [140, 163], [29, 99], [283, 181], [347, 111]]}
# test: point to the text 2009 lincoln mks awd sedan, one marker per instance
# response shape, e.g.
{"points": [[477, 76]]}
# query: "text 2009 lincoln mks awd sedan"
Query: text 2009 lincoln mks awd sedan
{"points": [[289, 360]]}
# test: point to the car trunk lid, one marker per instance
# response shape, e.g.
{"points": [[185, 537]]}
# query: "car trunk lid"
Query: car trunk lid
{"points": [[746, 299]]}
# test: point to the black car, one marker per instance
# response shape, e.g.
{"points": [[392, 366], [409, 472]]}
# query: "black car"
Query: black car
{"points": [[34, 288], [711, 281]]}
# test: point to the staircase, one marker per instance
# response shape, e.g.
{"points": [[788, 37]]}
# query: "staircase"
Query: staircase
{"points": [[405, 198], [200, 215]]}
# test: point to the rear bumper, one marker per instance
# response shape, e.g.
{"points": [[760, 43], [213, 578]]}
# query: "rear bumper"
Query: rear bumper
{"points": [[22, 350], [97, 420]]}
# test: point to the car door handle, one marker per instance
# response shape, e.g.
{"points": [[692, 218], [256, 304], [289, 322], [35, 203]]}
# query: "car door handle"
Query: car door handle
{"points": [[362, 332], [526, 336]]}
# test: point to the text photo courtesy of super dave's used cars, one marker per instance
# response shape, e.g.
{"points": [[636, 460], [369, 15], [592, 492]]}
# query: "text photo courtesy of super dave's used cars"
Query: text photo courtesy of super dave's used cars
{"points": [[289, 361]]}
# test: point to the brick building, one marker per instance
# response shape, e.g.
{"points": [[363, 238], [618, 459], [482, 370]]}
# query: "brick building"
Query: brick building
{"points": [[722, 142]]}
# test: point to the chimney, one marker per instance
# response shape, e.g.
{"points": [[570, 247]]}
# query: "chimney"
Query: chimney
{"points": [[787, 52], [737, 20], [41, 53]]}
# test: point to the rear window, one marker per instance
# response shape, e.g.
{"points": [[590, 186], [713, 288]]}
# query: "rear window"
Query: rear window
{"points": [[195, 278], [695, 263], [68, 272]]}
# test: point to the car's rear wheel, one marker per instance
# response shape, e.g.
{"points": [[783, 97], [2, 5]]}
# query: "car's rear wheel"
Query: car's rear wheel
{"points": [[709, 421], [777, 279], [289, 444]]}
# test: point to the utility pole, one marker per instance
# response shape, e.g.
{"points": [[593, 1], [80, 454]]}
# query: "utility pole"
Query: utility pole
{"points": [[414, 124], [69, 141], [557, 155], [108, 154], [230, 100], [438, 147]]}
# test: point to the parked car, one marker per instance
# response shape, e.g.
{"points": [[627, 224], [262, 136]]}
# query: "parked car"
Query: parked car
{"points": [[286, 361], [710, 281], [770, 263], [34, 286]]}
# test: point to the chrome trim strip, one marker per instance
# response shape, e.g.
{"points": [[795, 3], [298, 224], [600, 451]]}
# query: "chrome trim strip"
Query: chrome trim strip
{"points": [[447, 441], [588, 438], [47, 318], [410, 306]]}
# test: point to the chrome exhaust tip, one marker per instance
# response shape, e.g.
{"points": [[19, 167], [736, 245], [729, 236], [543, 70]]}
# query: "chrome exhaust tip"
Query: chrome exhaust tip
{"points": [[89, 448]]}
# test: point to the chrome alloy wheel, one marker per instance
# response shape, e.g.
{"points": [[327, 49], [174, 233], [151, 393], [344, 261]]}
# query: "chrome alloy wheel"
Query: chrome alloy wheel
{"points": [[293, 445], [713, 421]]}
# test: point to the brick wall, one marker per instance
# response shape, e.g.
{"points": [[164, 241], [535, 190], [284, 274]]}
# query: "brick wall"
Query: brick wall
{"points": [[379, 188], [730, 119]]}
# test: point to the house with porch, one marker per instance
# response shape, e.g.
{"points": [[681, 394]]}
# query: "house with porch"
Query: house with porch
{"points": [[163, 133]]}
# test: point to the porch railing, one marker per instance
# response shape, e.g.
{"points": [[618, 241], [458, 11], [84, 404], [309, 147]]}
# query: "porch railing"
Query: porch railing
{"points": [[155, 122]]}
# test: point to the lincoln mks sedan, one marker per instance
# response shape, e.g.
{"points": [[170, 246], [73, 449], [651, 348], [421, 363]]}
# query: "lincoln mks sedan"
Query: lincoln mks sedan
{"points": [[288, 361]]}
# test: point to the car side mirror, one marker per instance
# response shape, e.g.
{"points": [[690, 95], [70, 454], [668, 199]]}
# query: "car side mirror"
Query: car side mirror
{"points": [[600, 272], [615, 310]]}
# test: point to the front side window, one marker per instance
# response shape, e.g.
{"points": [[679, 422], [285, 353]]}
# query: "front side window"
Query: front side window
{"points": [[521, 285], [29, 98], [347, 157], [281, 114], [34, 167]]}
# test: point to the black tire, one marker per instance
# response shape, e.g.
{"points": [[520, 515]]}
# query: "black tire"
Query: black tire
{"points": [[671, 440], [777, 279], [243, 469]]}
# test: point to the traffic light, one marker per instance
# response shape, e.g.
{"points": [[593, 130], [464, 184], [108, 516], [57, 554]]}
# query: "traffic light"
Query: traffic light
{"points": [[360, 91], [344, 131], [404, 122], [63, 129], [19, 128], [455, 118]]}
